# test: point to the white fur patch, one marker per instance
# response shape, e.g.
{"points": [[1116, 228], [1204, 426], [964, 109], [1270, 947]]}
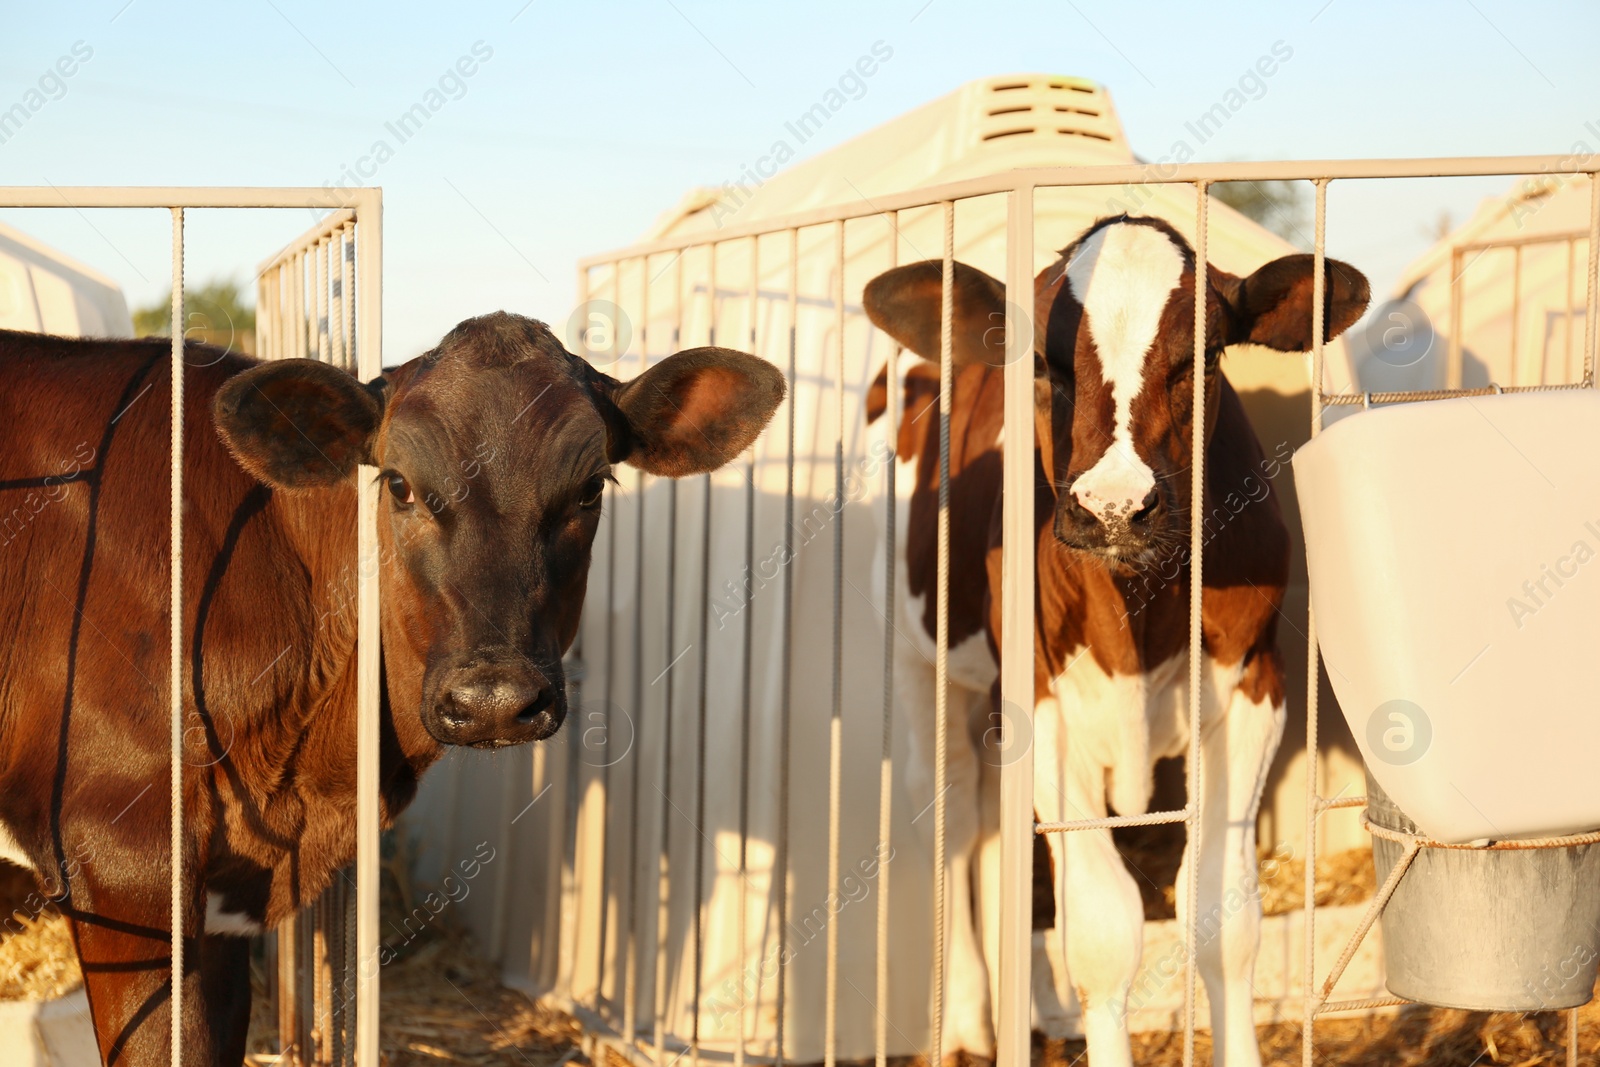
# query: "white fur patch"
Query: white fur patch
{"points": [[1114, 723], [234, 923], [970, 663], [12, 852], [1123, 276]]}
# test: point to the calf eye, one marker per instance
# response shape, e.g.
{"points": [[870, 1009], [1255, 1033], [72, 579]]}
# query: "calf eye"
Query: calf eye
{"points": [[592, 491], [400, 489]]}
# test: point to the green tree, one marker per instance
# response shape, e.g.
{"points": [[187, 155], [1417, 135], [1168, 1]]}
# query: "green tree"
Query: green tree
{"points": [[1280, 206], [216, 309]]}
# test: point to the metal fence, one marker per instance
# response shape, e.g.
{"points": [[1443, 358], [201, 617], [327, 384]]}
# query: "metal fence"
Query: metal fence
{"points": [[620, 892], [1557, 254], [295, 320], [305, 313]]}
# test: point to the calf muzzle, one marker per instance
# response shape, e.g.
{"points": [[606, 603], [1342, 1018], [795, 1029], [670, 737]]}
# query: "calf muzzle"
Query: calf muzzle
{"points": [[495, 704]]}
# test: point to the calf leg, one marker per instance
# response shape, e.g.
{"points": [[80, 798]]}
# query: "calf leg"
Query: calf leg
{"points": [[965, 1021], [127, 975], [225, 988], [1099, 913], [1236, 752], [116, 894], [1050, 984], [1049, 1016]]}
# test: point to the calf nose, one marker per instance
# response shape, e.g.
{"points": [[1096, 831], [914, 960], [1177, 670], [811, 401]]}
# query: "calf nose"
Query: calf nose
{"points": [[1117, 501], [497, 706]]}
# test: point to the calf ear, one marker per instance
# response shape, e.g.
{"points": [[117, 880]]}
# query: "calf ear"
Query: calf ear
{"points": [[1272, 307], [297, 423], [905, 303], [694, 411]]}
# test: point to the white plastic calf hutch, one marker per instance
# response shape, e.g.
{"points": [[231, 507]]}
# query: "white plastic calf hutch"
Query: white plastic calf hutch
{"points": [[43, 290], [1499, 301]]}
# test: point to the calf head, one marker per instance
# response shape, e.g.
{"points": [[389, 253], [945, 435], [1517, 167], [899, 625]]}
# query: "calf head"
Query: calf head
{"points": [[1114, 364], [494, 450]]}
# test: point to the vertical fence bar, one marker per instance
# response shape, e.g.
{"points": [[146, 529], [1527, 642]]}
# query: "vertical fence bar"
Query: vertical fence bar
{"points": [[747, 595], [283, 321], [288, 1000], [630, 1013], [306, 988], [297, 273], [1592, 284], [267, 322], [323, 324], [786, 668], [338, 896], [264, 301], [1572, 272], [1018, 554], [586, 794], [348, 980], [347, 266], [175, 639], [941, 644], [891, 429], [1313, 651], [664, 868], [369, 351], [1197, 487], [336, 299], [830, 1018], [608, 676], [1516, 309], [568, 916], [504, 842], [701, 706], [1452, 367], [321, 979], [283, 347], [280, 320], [297, 305], [286, 310], [309, 269]]}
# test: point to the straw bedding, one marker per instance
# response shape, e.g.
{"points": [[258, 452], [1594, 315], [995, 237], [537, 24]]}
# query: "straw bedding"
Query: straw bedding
{"points": [[442, 1004]]}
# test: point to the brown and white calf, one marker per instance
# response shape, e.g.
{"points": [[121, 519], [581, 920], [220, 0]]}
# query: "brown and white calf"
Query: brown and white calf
{"points": [[1113, 341]]}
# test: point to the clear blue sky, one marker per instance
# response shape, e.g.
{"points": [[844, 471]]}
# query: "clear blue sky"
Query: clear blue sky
{"points": [[589, 119]]}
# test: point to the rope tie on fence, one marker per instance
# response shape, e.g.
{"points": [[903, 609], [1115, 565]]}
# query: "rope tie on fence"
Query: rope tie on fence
{"points": [[1515, 845], [1408, 396]]}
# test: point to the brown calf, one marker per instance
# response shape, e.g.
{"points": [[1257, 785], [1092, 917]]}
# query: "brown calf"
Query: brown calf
{"points": [[494, 450]]}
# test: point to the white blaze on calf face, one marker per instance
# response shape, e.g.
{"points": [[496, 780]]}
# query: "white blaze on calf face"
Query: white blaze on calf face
{"points": [[1123, 275]]}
